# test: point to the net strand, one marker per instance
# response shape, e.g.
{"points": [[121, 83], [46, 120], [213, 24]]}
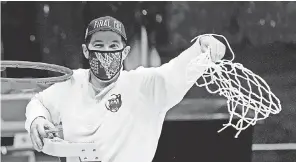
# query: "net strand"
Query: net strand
{"points": [[249, 98]]}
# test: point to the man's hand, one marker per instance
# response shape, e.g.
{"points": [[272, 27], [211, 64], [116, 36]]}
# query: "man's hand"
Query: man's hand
{"points": [[38, 131], [216, 48]]}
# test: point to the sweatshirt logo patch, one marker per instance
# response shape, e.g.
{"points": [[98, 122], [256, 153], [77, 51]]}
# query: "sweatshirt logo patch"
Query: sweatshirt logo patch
{"points": [[114, 103]]}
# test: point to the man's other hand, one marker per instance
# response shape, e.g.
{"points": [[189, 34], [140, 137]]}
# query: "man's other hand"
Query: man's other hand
{"points": [[38, 132]]}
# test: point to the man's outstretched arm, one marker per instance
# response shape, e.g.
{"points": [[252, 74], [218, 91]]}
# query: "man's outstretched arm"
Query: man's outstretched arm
{"points": [[166, 85]]}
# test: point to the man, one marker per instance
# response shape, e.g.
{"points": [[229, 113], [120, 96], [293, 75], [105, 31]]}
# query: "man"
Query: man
{"points": [[121, 111]]}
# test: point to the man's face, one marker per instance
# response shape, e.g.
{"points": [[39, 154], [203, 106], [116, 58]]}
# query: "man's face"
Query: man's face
{"points": [[105, 64], [106, 41]]}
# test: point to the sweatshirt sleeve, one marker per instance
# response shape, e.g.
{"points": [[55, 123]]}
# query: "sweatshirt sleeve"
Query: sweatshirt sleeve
{"points": [[45, 104], [165, 86]]}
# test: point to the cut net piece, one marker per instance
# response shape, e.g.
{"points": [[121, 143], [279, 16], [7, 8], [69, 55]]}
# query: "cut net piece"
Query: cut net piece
{"points": [[249, 98]]}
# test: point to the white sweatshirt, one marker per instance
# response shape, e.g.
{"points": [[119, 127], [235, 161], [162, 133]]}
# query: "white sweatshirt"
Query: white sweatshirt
{"points": [[144, 96]]}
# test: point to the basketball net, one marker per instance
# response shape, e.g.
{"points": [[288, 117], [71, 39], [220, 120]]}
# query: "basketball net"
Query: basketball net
{"points": [[249, 98]]}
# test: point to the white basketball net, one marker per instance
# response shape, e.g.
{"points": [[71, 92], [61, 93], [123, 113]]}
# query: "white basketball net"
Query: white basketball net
{"points": [[249, 97]]}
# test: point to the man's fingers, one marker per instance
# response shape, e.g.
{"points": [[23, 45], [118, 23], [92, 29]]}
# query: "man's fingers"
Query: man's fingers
{"points": [[49, 125], [50, 135], [33, 133], [57, 135], [52, 130], [204, 48], [34, 143], [214, 50], [41, 131], [221, 49], [217, 48], [204, 43], [37, 140]]}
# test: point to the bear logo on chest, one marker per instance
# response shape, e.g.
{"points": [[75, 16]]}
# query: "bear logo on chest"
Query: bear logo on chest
{"points": [[114, 103]]}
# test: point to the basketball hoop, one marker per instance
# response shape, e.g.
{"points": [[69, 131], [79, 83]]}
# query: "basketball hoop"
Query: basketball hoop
{"points": [[13, 83]]}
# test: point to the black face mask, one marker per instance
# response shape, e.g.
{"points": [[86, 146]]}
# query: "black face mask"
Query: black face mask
{"points": [[105, 64]]}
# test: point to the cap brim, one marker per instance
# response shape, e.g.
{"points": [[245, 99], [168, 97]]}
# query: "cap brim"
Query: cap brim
{"points": [[106, 29]]}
